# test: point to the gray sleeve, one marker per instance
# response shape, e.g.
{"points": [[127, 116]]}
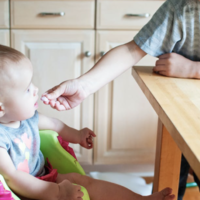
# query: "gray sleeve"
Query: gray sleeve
{"points": [[161, 33]]}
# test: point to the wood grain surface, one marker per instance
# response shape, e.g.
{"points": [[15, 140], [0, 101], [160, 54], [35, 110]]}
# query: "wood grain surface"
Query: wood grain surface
{"points": [[177, 103]]}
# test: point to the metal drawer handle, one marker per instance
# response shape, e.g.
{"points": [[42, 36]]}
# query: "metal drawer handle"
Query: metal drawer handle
{"points": [[54, 14], [138, 15]]}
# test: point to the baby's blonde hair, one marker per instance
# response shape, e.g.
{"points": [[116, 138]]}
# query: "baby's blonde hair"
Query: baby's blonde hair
{"points": [[10, 54]]}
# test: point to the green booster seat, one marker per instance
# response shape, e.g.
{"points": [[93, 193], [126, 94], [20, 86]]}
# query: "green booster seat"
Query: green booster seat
{"points": [[59, 158]]}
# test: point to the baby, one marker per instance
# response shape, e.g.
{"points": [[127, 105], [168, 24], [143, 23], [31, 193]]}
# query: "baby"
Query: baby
{"points": [[21, 159]]}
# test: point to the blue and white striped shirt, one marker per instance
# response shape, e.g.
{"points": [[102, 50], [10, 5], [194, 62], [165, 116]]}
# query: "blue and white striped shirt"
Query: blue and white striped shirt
{"points": [[175, 27]]}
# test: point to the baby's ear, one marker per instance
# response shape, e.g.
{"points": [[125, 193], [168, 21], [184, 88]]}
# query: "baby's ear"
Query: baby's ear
{"points": [[2, 111]]}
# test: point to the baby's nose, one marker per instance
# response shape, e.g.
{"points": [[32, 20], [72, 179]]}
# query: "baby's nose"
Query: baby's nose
{"points": [[36, 91]]}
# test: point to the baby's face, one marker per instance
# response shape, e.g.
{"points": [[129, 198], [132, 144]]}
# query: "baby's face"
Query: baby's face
{"points": [[21, 95]]}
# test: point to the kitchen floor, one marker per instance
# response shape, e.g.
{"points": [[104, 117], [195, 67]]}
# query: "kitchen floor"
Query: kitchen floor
{"points": [[190, 194]]}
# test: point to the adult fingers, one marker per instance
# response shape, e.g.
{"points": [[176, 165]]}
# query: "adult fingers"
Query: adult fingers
{"points": [[65, 102], [159, 68], [52, 103], [59, 106], [55, 92], [164, 56], [160, 62], [50, 90], [164, 73], [56, 105]]}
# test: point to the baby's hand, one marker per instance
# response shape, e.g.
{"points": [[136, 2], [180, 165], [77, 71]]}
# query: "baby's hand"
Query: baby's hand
{"points": [[86, 138], [68, 191]]}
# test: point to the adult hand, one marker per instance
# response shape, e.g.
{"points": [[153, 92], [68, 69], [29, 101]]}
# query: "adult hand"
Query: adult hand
{"points": [[69, 191], [65, 96], [86, 138], [175, 65]]}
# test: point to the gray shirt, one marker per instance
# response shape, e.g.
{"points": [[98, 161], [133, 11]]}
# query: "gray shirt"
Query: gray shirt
{"points": [[23, 146], [175, 27]]}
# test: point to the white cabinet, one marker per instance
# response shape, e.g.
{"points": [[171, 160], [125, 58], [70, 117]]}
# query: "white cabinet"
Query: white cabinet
{"points": [[57, 56], [125, 122]]}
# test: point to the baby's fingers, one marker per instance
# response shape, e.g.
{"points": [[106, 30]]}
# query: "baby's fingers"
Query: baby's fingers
{"points": [[89, 142], [92, 133]]}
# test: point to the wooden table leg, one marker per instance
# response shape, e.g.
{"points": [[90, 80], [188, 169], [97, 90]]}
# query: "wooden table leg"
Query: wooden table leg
{"points": [[167, 164]]}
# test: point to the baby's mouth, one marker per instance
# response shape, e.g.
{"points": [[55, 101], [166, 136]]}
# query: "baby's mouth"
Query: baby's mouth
{"points": [[36, 103]]}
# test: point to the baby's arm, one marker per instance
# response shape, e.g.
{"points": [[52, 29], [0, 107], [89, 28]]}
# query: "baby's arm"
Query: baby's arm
{"points": [[175, 65], [82, 137], [23, 183], [30, 187]]}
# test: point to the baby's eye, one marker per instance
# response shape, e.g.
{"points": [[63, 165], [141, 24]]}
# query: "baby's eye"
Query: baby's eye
{"points": [[28, 90]]}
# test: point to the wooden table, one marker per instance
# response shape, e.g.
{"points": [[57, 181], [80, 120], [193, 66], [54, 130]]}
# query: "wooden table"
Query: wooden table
{"points": [[177, 103]]}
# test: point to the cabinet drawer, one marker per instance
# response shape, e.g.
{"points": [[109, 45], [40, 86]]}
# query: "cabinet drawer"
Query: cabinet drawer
{"points": [[49, 14], [4, 14], [125, 14]]}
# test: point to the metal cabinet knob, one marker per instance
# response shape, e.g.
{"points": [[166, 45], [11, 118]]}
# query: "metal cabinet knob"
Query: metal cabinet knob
{"points": [[102, 53], [88, 53]]}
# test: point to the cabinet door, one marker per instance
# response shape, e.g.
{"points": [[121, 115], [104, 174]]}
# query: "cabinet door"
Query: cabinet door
{"points": [[125, 122], [58, 55], [4, 37]]}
